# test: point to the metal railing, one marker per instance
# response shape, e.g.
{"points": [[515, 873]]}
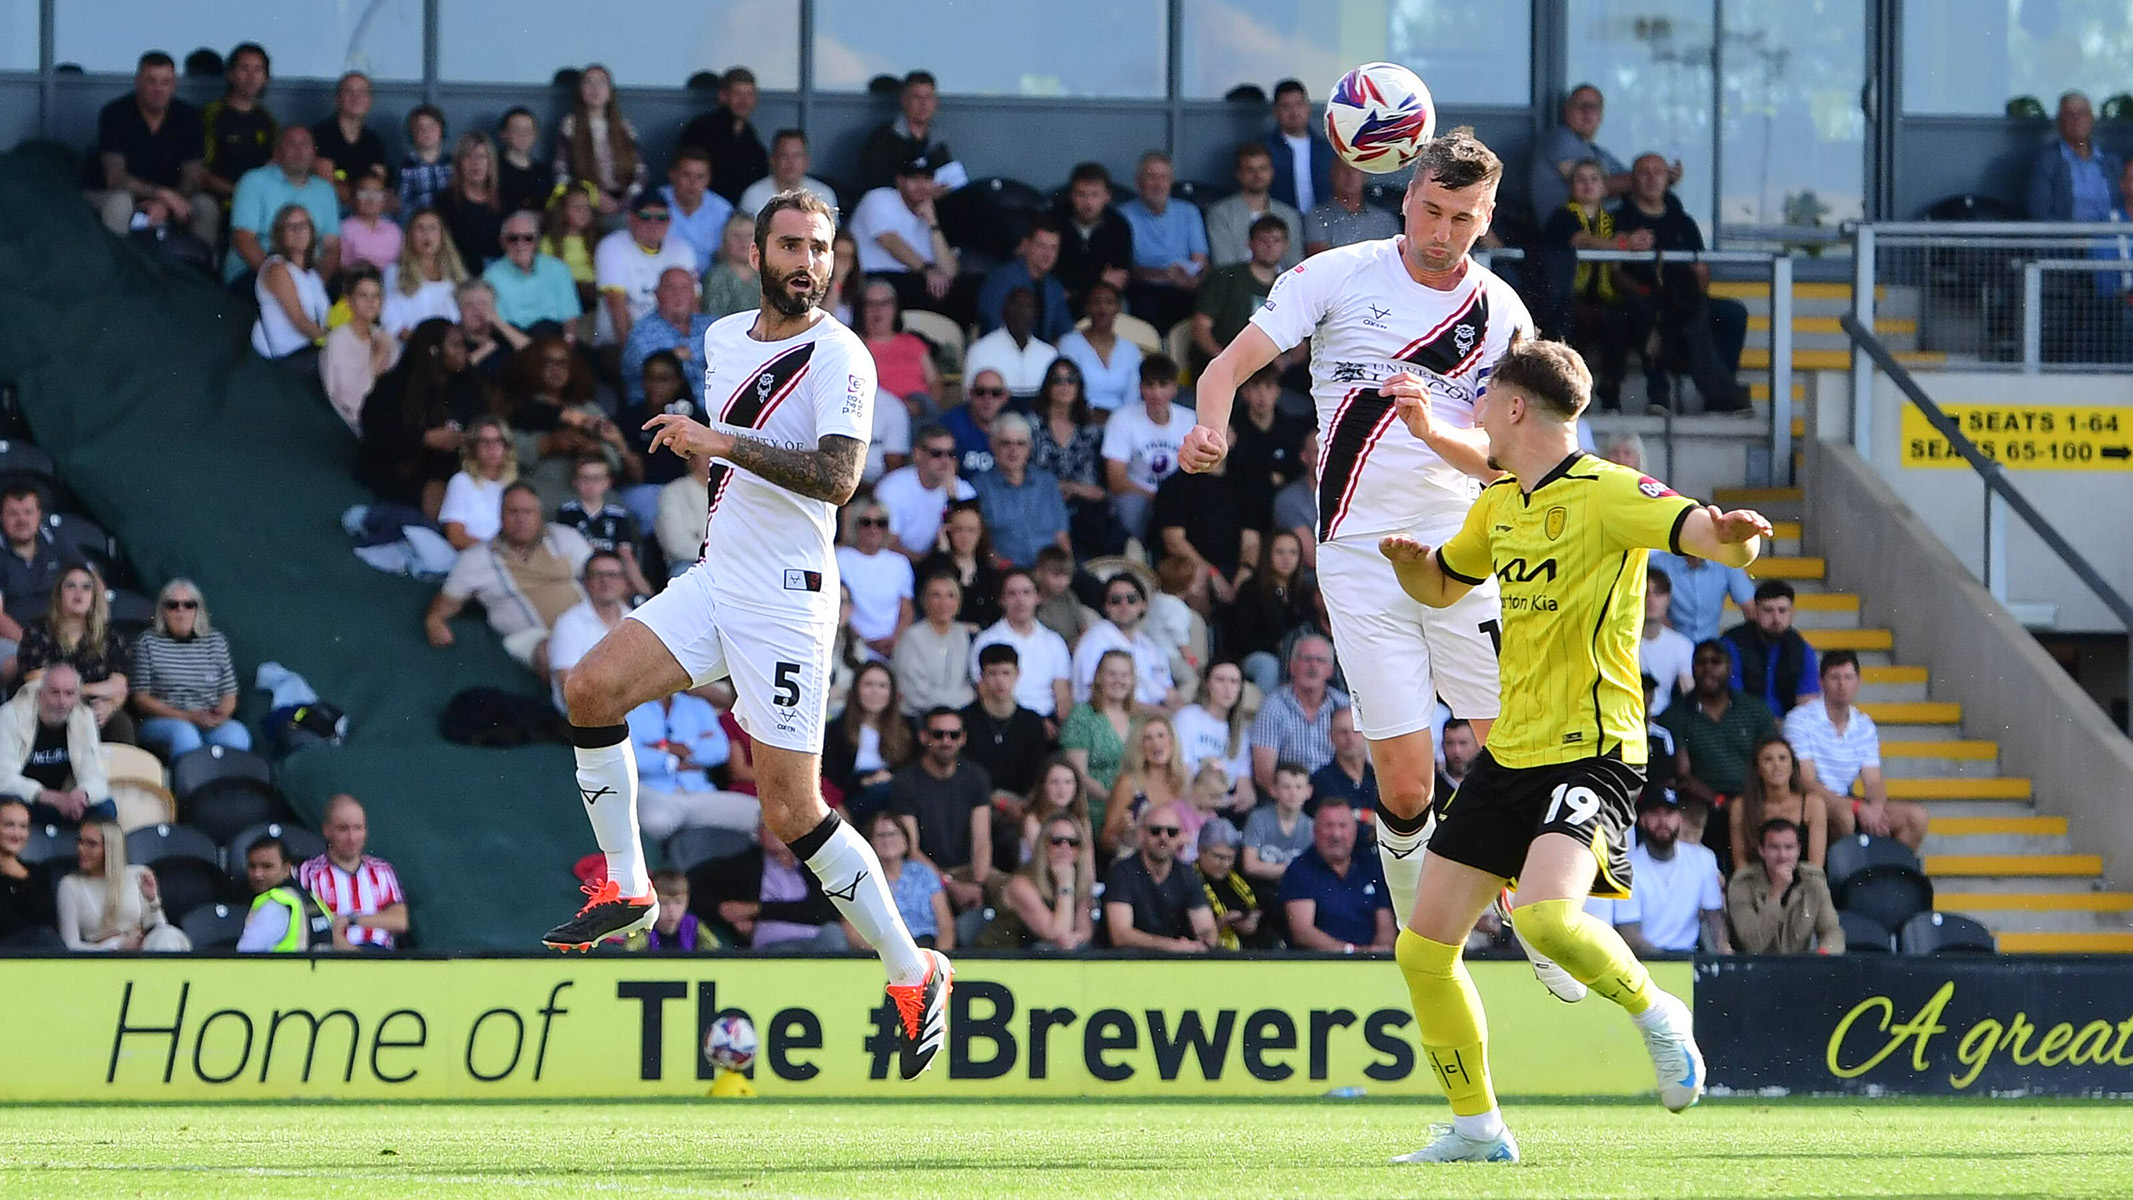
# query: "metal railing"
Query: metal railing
{"points": [[2000, 494], [1780, 267], [2026, 296]]}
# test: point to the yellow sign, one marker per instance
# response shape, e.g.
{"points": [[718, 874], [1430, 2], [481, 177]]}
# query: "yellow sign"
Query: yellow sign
{"points": [[2026, 437], [615, 1026]]}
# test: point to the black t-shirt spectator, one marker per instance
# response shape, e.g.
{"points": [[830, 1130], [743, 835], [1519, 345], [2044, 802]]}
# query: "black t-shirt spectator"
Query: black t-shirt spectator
{"points": [[524, 187], [1263, 615], [981, 596], [477, 229], [737, 155], [238, 141], [95, 663], [26, 904], [1331, 783], [1674, 229], [1084, 258], [1159, 909], [1009, 750], [942, 808], [156, 155], [27, 583], [1210, 509], [352, 160], [50, 763], [1263, 461], [609, 529], [888, 148]]}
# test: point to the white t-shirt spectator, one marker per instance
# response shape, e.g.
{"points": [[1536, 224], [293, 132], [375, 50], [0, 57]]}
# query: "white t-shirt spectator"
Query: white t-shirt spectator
{"points": [[915, 511], [1022, 368], [1838, 757], [878, 582], [274, 335], [760, 192], [1149, 450], [477, 504], [432, 298], [1043, 659], [619, 263], [1151, 662], [1668, 898], [883, 211], [892, 435], [576, 632], [1201, 737], [1666, 658]]}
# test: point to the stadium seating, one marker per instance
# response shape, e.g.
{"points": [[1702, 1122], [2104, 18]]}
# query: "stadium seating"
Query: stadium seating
{"points": [[1944, 933], [222, 808], [214, 926], [688, 848], [1865, 935], [49, 843], [303, 844], [1134, 330], [133, 763], [947, 338], [19, 460], [158, 844], [142, 804], [209, 763]]}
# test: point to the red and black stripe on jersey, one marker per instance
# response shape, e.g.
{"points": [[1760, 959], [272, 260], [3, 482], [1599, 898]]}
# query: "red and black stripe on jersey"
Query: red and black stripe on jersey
{"points": [[1448, 349], [758, 396]]}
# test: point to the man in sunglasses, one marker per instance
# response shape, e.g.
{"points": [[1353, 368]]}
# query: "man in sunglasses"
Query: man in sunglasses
{"points": [[1154, 902], [791, 392], [918, 493], [532, 287], [945, 803], [628, 263], [972, 421]]}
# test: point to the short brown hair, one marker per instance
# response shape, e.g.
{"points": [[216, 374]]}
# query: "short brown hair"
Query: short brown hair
{"points": [[798, 199], [1551, 373], [669, 882], [1458, 160]]}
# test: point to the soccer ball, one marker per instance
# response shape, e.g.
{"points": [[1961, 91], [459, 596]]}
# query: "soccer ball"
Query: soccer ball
{"points": [[1379, 116], [730, 1046]]}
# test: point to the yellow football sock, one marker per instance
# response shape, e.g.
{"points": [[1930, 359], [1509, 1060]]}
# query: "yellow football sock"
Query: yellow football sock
{"points": [[1588, 948], [1455, 1032]]}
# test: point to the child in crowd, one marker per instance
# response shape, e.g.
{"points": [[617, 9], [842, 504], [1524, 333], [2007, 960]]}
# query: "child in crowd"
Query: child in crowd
{"points": [[604, 524], [1276, 833], [1209, 792], [677, 931], [425, 174], [367, 234]]}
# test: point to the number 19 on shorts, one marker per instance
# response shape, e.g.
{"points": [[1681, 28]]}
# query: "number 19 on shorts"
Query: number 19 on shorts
{"points": [[1572, 804]]}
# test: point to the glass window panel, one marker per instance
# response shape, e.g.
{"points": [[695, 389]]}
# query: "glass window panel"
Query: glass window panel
{"points": [[1468, 51], [1970, 57], [998, 48], [306, 39], [1651, 60], [18, 35], [1794, 141], [527, 43]]}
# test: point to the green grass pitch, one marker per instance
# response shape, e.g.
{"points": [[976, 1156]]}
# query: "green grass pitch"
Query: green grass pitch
{"points": [[1311, 1150]]}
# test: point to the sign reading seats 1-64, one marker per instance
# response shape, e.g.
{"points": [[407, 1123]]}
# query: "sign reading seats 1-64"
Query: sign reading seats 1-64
{"points": [[2026, 437]]}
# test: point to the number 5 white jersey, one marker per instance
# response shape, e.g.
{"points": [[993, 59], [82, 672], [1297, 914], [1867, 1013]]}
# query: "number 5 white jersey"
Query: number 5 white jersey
{"points": [[767, 548], [1368, 319]]}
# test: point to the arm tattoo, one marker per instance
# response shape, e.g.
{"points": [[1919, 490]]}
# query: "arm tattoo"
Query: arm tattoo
{"points": [[828, 472]]}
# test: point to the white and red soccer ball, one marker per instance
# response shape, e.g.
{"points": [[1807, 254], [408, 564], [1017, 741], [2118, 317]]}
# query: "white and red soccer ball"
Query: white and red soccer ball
{"points": [[730, 1045], [1379, 116]]}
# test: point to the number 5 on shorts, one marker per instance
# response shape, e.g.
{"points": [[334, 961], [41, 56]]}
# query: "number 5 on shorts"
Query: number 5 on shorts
{"points": [[786, 687], [1573, 805]]}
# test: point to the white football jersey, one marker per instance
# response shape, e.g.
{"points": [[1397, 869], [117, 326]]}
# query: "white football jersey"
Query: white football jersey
{"points": [[769, 549], [1368, 319]]}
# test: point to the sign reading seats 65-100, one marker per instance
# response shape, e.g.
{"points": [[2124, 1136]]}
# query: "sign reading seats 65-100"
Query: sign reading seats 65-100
{"points": [[2026, 437]]}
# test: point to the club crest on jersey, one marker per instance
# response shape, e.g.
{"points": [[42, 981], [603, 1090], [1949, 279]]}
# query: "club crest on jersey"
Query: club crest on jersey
{"points": [[764, 384], [1463, 337], [1376, 319], [1652, 488], [1554, 522], [802, 581]]}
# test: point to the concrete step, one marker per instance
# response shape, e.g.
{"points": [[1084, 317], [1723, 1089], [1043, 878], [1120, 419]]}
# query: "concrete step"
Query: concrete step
{"points": [[1997, 787], [1937, 734], [2021, 921], [2041, 912], [1987, 845], [1940, 761], [2013, 866], [1842, 615], [1773, 566], [2072, 887], [1849, 639], [2120, 942], [1922, 712], [1937, 810], [1891, 693]]}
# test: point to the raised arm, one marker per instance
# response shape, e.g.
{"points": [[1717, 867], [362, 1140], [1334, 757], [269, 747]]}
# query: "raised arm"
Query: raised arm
{"points": [[1215, 393], [1421, 573], [828, 472], [1732, 538]]}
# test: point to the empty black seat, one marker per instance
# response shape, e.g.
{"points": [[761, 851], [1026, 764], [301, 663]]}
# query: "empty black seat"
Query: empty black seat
{"points": [[1945, 933], [80, 539], [303, 844], [214, 926], [153, 844], [21, 462], [222, 808], [131, 612], [1850, 855], [195, 770], [1864, 935], [185, 884], [1890, 895], [698, 844], [49, 843]]}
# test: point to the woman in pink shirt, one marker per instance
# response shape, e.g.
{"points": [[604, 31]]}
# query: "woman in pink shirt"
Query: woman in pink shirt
{"points": [[903, 362]]}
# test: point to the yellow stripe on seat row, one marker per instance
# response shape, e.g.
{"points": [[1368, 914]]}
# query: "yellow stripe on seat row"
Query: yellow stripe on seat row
{"points": [[2016, 865]]}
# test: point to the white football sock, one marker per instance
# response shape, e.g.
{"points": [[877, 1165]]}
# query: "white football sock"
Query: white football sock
{"points": [[1481, 1126], [1400, 854], [851, 877], [607, 784]]}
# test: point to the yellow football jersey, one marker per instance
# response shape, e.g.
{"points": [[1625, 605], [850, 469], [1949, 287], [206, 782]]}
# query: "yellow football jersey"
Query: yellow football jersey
{"points": [[1570, 558]]}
